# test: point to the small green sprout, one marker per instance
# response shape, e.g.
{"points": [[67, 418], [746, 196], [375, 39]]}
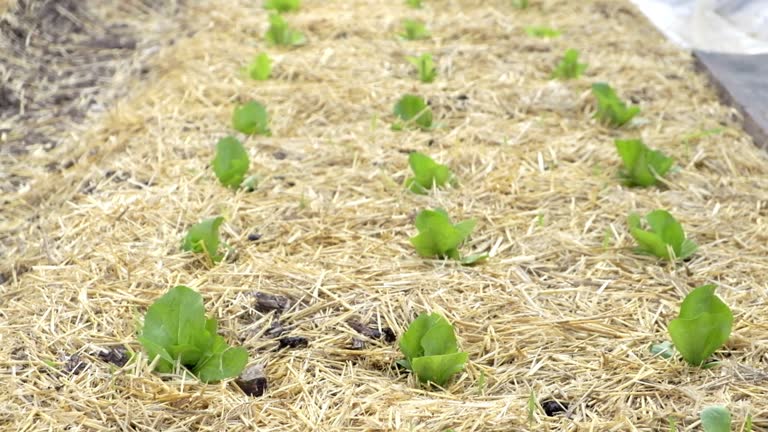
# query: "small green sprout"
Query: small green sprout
{"points": [[431, 350], [280, 34], [439, 237], [666, 239], [642, 166], [251, 119], [703, 325], [716, 419], [520, 4], [569, 66], [231, 162], [282, 5], [416, 4], [610, 109], [542, 32], [176, 332], [204, 238], [427, 173], [414, 30], [425, 66], [260, 68], [412, 110]]}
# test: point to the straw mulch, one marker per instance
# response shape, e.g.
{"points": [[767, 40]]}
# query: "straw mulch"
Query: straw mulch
{"points": [[563, 308]]}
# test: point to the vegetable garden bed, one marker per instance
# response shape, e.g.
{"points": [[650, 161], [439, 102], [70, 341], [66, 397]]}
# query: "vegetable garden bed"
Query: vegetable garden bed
{"points": [[320, 269]]}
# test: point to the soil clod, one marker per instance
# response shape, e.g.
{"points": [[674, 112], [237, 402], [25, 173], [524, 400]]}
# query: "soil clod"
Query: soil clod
{"points": [[74, 365], [270, 302], [254, 237], [118, 356], [253, 380], [292, 342], [552, 407], [385, 333]]}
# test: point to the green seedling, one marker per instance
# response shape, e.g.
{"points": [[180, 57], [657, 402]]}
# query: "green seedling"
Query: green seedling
{"points": [[703, 325], [569, 66], [666, 238], [439, 237], [204, 238], [520, 4], [177, 331], [610, 109], [260, 68], [665, 350], [414, 30], [231, 162], [416, 4], [642, 166], [431, 350], [280, 34], [542, 32], [426, 67], [412, 110], [251, 119], [716, 419], [282, 5], [427, 174]]}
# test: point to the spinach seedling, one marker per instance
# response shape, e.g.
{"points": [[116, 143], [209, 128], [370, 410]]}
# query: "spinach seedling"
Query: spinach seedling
{"points": [[542, 32], [439, 237], [279, 33], [414, 30], [282, 5], [231, 162], [412, 110], [177, 331], [703, 325], [642, 166], [204, 238], [260, 68], [716, 419], [610, 109], [251, 119], [416, 4], [569, 66], [425, 66], [666, 238], [430, 349], [427, 173]]}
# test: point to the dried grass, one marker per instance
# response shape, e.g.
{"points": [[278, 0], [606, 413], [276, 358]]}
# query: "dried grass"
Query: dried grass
{"points": [[563, 308]]}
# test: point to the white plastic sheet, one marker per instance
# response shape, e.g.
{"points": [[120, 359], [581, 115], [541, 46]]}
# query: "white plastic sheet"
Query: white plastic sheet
{"points": [[728, 26]]}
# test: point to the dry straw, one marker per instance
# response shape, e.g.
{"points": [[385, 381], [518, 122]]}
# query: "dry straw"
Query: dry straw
{"points": [[562, 308]]}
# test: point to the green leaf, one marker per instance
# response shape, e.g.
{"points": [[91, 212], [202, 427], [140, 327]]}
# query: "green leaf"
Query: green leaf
{"points": [[665, 234], [413, 110], [425, 66], [439, 369], [427, 173], [416, 4], [231, 162], [221, 362], [282, 5], [569, 67], [473, 259], [279, 33], [642, 166], [414, 30], [542, 32], [204, 238], [410, 342], [520, 4], [439, 339], [703, 326], [260, 68], [251, 119], [610, 109], [716, 419], [437, 237], [663, 349], [431, 350]]}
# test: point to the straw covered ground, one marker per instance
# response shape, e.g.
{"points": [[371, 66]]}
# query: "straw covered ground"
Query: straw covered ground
{"points": [[563, 308]]}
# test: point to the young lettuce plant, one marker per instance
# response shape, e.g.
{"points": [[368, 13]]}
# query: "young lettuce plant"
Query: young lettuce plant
{"points": [[610, 109], [666, 238], [569, 66], [642, 166], [279, 33], [231, 162], [425, 66], [703, 325], [260, 68], [430, 349], [177, 331], [439, 237], [412, 110], [204, 238], [427, 174], [414, 30], [251, 119], [716, 419], [282, 6]]}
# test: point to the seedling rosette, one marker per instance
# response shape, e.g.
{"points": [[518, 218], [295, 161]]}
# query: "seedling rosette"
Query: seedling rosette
{"points": [[703, 325], [610, 109], [204, 238], [439, 238], [231, 162], [642, 166], [431, 350], [412, 110], [665, 239], [427, 174]]}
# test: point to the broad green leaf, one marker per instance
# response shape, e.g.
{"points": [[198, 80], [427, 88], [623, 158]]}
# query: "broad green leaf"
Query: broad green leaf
{"points": [[703, 326], [438, 369], [610, 109], [437, 235], [282, 5], [642, 166], [439, 339], [251, 119], [716, 419], [427, 173], [166, 362], [222, 362], [204, 238], [410, 342], [542, 32], [413, 110], [425, 66], [665, 233], [260, 68], [279, 33], [231, 162], [569, 67], [414, 30]]}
